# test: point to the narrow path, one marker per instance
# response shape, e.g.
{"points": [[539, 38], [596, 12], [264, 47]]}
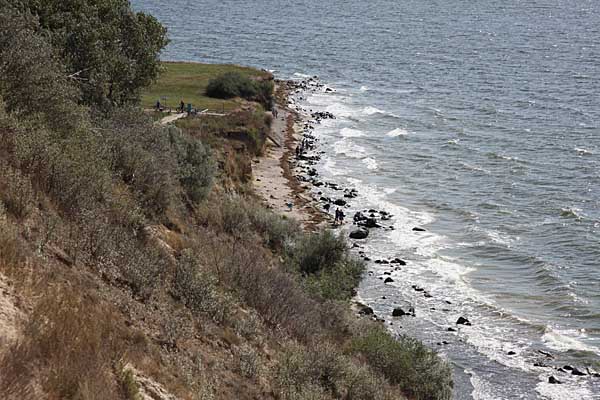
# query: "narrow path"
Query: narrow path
{"points": [[170, 118]]}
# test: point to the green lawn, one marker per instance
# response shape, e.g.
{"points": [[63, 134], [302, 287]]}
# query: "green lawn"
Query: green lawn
{"points": [[187, 81]]}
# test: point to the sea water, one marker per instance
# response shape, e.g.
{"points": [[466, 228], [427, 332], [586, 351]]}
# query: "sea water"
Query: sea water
{"points": [[479, 121]]}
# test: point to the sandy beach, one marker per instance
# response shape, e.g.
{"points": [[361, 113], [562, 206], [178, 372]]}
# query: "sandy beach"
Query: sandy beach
{"points": [[274, 178]]}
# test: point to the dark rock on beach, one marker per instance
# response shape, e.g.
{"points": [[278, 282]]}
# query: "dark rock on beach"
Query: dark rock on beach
{"points": [[388, 280], [398, 312], [360, 233], [463, 321], [366, 311], [553, 380], [417, 229], [576, 372]]}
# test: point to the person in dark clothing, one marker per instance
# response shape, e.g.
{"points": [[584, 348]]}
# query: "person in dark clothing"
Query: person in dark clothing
{"points": [[182, 106]]}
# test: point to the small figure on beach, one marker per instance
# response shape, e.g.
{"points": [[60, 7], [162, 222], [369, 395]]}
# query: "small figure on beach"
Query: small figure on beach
{"points": [[336, 221], [274, 112], [297, 151], [289, 205], [182, 106], [158, 105]]}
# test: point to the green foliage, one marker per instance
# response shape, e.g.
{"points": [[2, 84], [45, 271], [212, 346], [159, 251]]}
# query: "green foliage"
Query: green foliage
{"points": [[141, 155], [129, 386], [318, 251], [336, 282], [231, 84], [187, 81], [321, 371], [142, 266], [196, 167], [197, 289], [406, 362], [110, 51], [277, 231], [33, 80], [235, 84]]}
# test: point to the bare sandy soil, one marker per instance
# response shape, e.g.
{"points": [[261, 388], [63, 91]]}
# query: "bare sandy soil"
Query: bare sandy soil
{"points": [[274, 180]]}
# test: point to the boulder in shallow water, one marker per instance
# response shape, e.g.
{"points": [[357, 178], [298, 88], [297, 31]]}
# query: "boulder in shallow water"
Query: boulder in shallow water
{"points": [[553, 380], [398, 261], [576, 372], [463, 321], [388, 280], [371, 223], [340, 202], [398, 312], [417, 229], [360, 233]]}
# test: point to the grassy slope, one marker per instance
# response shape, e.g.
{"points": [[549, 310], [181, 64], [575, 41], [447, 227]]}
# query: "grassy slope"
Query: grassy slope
{"points": [[187, 81]]}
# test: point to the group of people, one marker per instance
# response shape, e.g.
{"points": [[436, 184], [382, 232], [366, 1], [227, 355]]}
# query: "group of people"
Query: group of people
{"points": [[339, 217], [160, 106]]}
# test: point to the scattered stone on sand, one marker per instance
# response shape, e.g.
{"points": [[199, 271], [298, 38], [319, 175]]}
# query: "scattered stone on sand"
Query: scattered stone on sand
{"points": [[463, 321]]}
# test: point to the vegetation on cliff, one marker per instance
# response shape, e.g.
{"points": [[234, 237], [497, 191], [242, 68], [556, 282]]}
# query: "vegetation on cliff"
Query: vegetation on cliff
{"points": [[135, 260]]}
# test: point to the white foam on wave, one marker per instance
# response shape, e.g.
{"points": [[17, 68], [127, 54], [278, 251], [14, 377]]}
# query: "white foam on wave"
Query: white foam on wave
{"points": [[370, 163], [567, 339], [397, 132], [481, 390], [329, 165], [340, 110], [349, 149], [583, 152], [350, 132], [364, 88], [301, 75], [570, 390]]}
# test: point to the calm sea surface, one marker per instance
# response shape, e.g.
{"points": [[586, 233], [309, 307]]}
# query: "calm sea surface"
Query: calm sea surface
{"points": [[477, 120]]}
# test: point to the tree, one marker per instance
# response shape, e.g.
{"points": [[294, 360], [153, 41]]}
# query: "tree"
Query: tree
{"points": [[110, 50]]}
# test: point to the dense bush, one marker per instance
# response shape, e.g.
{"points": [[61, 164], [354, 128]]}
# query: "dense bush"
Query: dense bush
{"points": [[337, 281], [318, 251], [110, 51], [277, 231], [327, 373], [196, 167], [235, 84], [142, 265], [406, 362], [197, 289], [232, 84], [141, 155]]}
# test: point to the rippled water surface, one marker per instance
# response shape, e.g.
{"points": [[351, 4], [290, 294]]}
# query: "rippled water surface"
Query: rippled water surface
{"points": [[478, 120]]}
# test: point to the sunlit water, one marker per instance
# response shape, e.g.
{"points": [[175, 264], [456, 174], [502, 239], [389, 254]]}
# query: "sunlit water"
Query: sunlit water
{"points": [[478, 120]]}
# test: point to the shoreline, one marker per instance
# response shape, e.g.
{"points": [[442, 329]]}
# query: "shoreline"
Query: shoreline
{"points": [[274, 178], [301, 178]]}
